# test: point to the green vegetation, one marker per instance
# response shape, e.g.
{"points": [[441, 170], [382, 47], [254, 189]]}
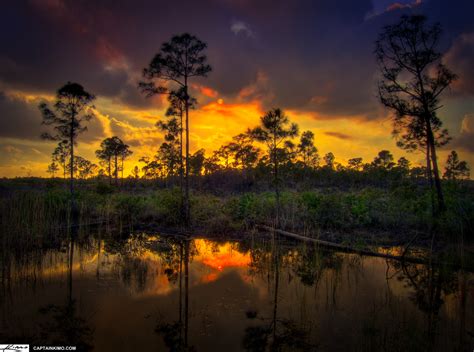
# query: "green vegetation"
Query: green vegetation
{"points": [[30, 216]]}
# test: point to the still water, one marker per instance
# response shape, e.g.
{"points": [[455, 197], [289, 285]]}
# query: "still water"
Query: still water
{"points": [[155, 293]]}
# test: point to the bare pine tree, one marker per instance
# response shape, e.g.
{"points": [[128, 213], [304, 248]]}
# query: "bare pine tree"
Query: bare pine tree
{"points": [[275, 131], [178, 61], [71, 109], [413, 79]]}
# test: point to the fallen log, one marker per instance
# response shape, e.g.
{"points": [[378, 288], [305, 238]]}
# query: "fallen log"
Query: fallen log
{"points": [[364, 252]]}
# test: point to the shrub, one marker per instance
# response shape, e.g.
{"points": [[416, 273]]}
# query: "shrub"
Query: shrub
{"points": [[103, 188]]}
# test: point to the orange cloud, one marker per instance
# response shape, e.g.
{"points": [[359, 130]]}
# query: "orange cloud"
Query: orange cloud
{"points": [[206, 91], [398, 6], [258, 90]]}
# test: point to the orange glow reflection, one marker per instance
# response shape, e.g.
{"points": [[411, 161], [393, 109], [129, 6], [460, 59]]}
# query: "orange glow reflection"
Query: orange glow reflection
{"points": [[220, 257]]}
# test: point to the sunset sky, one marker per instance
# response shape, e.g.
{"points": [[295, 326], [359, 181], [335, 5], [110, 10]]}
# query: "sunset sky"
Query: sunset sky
{"points": [[312, 58]]}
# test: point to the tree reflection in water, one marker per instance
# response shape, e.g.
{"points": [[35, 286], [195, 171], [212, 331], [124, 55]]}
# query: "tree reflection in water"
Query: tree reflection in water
{"points": [[259, 294], [429, 285], [275, 333], [63, 326], [175, 334]]}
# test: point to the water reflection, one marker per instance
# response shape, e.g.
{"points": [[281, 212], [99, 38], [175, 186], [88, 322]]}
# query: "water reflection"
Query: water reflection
{"points": [[255, 295], [275, 333]]}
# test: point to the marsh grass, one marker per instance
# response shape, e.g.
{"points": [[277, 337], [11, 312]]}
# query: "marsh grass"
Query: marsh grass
{"points": [[29, 217], [35, 218]]}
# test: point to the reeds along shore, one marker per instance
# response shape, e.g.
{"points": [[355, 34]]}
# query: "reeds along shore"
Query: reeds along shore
{"points": [[33, 216]]}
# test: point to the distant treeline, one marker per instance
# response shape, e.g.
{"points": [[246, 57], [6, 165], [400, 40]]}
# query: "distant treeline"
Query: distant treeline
{"points": [[242, 166]]}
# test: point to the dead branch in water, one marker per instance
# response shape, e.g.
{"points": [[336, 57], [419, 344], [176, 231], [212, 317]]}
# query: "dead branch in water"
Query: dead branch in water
{"points": [[364, 252]]}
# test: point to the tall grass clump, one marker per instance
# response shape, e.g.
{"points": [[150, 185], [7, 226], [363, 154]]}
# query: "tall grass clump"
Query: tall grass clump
{"points": [[30, 217]]}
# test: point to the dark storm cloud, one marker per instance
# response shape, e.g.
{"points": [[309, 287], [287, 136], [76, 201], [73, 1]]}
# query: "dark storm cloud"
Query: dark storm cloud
{"points": [[315, 55], [465, 140], [47, 43], [460, 58], [21, 118], [18, 119]]}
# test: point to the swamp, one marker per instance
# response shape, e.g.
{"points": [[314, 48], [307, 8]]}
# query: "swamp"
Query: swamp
{"points": [[236, 175], [255, 293]]}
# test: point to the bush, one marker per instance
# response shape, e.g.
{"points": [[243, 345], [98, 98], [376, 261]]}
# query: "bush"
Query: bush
{"points": [[103, 188], [128, 208], [165, 207]]}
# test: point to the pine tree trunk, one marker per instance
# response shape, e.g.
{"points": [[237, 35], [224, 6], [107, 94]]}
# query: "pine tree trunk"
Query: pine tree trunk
{"points": [[187, 219], [439, 190], [431, 144], [71, 164], [429, 175], [277, 188], [110, 170], [116, 170], [434, 162], [181, 166], [122, 172]]}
